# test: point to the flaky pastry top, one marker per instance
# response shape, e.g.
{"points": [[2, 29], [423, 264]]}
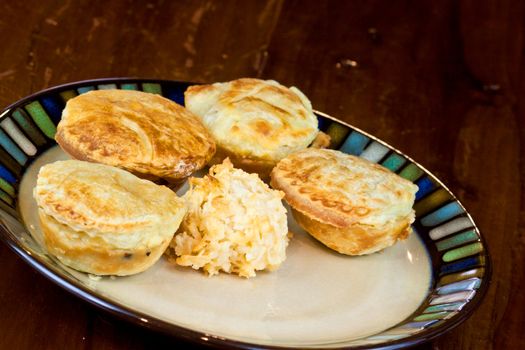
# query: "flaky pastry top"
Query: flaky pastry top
{"points": [[254, 118], [108, 202], [341, 189], [144, 133]]}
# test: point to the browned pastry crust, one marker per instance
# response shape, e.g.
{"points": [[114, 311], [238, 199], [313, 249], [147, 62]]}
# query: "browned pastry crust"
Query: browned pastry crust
{"points": [[262, 167], [104, 220], [355, 239], [97, 259], [348, 203], [144, 133], [254, 122], [322, 140]]}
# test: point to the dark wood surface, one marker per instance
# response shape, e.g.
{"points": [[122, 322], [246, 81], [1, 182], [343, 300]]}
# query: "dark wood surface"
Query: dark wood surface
{"points": [[444, 81]]}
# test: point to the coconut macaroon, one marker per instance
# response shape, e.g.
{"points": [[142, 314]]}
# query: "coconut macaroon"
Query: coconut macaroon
{"points": [[144, 133], [255, 122], [348, 203], [103, 220], [235, 223]]}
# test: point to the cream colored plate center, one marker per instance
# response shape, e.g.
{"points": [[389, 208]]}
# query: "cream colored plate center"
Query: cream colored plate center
{"points": [[317, 296]]}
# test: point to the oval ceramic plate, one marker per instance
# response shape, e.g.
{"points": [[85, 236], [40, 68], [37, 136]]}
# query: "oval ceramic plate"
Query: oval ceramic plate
{"points": [[405, 295]]}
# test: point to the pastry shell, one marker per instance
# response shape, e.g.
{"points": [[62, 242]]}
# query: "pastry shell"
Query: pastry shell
{"points": [[104, 220], [144, 133], [349, 204], [254, 122]]}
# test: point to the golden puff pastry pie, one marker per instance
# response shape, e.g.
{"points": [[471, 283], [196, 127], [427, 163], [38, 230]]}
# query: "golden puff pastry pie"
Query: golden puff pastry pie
{"points": [[235, 223], [348, 203], [104, 220], [255, 122], [144, 133]]}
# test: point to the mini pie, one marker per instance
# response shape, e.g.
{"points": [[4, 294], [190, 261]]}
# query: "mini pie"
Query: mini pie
{"points": [[255, 122], [144, 133], [104, 220], [348, 203], [235, 223]]}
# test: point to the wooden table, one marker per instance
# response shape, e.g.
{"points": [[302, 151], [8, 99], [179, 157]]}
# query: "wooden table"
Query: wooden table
{"points": [[443, 81]]}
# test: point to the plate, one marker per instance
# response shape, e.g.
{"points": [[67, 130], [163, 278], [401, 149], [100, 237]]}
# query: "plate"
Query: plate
{"points": [[404, 295]]}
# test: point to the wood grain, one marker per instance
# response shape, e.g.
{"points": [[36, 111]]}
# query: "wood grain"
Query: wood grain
{"points": [[442, 81]]}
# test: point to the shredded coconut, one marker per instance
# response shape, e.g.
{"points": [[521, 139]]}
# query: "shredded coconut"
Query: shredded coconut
{"points": [[235, 223]]}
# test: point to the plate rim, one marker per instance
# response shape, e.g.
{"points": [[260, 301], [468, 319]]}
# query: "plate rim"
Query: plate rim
{"points": [[200, 337]]}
